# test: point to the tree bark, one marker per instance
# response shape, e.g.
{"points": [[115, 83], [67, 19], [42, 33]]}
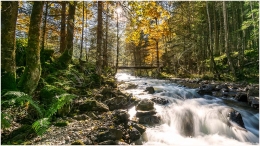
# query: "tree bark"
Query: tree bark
{"points": [[82, 33], [32, 73], [86, 34], [44, 30], [66, 56], [210, 44], [105, 58], [9, 13], [99, 39], [117, 43], [63, 27], [226, 41]]}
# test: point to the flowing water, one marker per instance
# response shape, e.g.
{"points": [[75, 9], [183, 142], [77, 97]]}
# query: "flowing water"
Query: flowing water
{"points": [[191, 119]]}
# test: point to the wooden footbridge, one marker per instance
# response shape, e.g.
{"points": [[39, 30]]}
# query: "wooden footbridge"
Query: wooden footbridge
{"points": [[137, 67]]}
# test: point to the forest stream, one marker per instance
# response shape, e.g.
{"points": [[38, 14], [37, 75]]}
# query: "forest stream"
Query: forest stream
{"points": [[191, 119]]}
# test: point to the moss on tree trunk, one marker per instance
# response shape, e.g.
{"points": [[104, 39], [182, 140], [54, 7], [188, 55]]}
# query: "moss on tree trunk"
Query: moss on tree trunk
{"points": [[32, 73], [66, 56], [8, 24]]}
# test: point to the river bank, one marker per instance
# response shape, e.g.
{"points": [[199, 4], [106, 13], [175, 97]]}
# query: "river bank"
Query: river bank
{"points": [[146, 111]]}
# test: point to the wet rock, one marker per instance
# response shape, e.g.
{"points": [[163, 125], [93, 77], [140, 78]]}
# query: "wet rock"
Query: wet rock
{"points": [[131, 86], [235, 116], [187, 124], [253, 96], [134, 134], [121, 115], [150, 90], [204, 92], [139, 127], [111, 134], [240, 96], [151, 120], [253, 101], [219, 87], [232, 94], [140, 113], [93, 105], [160, 100], [119, 102], [145, 105]]}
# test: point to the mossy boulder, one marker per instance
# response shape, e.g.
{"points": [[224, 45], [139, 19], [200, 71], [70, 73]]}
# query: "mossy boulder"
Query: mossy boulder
{"points": [[93, 105], [119, 102], [111, 134], [121, 116], [110, 82]]}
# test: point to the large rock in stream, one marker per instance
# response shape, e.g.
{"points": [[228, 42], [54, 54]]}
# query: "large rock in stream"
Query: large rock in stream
{"points": [[146, 112], [253, 96], [150, 90], [145, 105], [160, 100]]}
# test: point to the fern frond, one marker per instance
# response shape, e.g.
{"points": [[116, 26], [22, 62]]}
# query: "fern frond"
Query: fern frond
{"points": [[40, 126], [5, 121], [18, 97], [62, 100]]}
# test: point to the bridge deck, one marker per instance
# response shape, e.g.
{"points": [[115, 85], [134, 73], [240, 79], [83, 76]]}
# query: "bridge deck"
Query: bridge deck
{"points": [[137, 67]]}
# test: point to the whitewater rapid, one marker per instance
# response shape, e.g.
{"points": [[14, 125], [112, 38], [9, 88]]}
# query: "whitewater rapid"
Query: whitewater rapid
{"points": [[192, 119]]}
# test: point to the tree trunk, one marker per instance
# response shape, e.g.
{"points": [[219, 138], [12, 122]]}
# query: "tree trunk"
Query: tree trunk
{"points": [[105, 58], [99, 39], [66, 56], [9, 13], [210, 44], [226, 41], [32, 73], [63, 27], [44, 30], [86, 34], [82, 33], [117, 43]]}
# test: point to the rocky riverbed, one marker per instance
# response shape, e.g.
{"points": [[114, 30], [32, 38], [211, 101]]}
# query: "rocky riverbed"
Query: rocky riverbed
{"points": [[104, 118], [242, 92]]}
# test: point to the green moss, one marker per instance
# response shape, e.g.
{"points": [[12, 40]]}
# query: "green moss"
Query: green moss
{"points": [[61, 123]]}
